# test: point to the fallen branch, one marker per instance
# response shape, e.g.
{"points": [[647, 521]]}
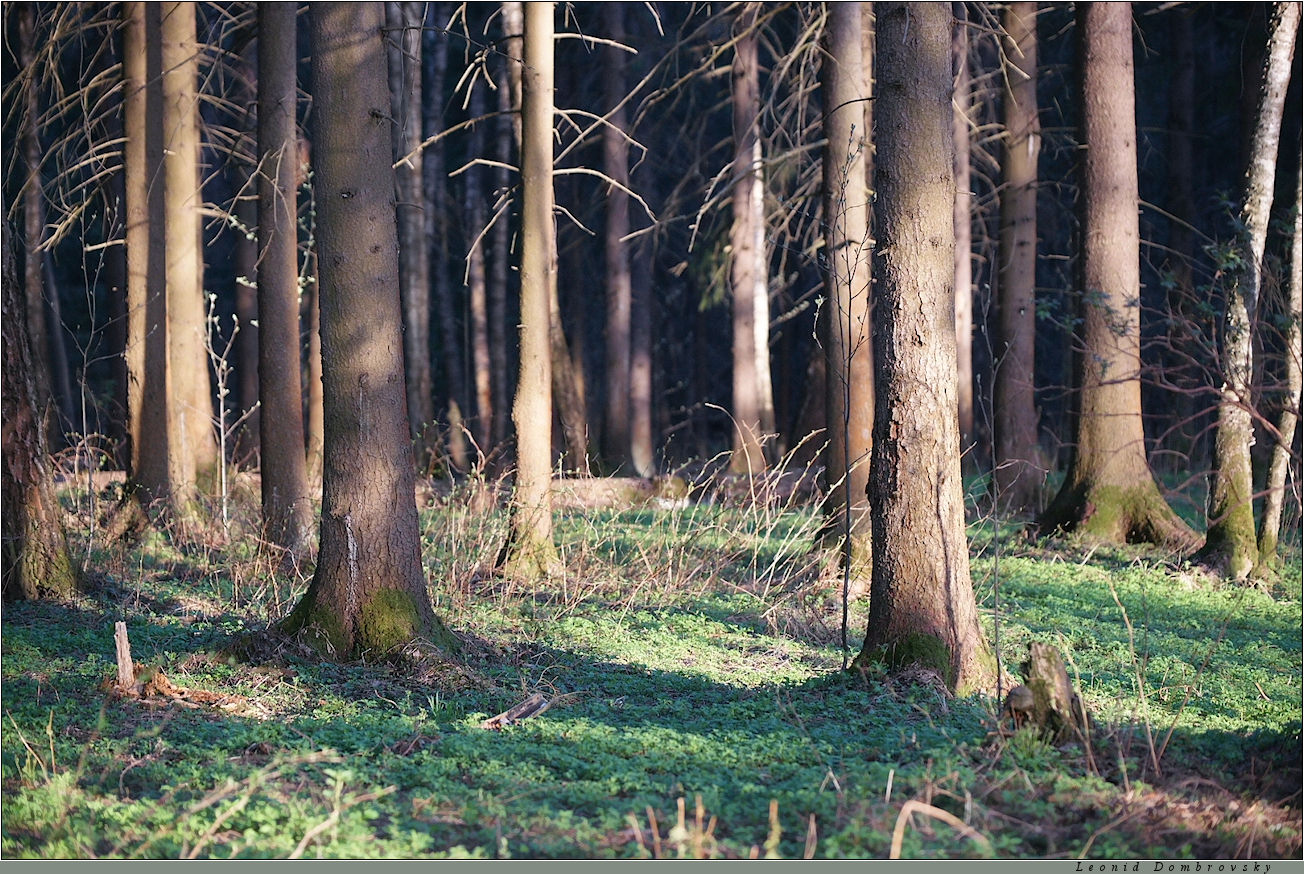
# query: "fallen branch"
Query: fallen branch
{"points": [[532, 706]]}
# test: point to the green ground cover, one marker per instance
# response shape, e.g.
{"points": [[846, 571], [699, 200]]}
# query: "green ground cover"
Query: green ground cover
{"points": [[692, 657]]}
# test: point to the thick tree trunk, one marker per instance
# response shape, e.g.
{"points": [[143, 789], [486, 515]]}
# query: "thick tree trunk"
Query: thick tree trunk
{"points": [[845, 316], [192, 392], [1019, 471], [1275, 487], [748, 269], [287, 513], [368, 596], [615, 162], [922, 608], [962, 112], [1230, 544], [36, 563], [529, 552], [1109, 492]]}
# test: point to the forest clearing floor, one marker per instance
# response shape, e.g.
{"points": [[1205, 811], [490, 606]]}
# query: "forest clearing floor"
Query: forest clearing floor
{"points": [[690, 657]]}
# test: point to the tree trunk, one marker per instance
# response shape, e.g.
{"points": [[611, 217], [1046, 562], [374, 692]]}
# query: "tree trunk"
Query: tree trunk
{"points": [[287, 513], [642, 453], [567, 389], [368, 596], [1019, 471], [505, 136], [922, 608], [615, 162], [36, 563], [845, 317], [151, 421], [246, 311], [1109, 492], [438, 233], [192, 392], [477, 298], [1230, 543], [962, 112], [1279, 466], [748, 269], [529, 552], [404, 43], [313, 391]]}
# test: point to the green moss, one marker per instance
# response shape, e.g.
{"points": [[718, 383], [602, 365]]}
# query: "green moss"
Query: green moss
{"points": [[915, 648], [386, 620]]}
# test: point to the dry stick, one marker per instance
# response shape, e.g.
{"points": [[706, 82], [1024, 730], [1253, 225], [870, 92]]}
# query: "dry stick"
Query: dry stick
{"points": [[126, 670], [950, 819], [1140, 680]]}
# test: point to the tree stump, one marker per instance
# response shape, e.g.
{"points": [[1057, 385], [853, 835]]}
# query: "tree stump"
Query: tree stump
{"points": [[1056, 708]]}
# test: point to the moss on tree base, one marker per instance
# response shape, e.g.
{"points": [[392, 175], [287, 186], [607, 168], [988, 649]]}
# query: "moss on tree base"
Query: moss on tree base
{"points": [[386, 621], [1118, 514]]}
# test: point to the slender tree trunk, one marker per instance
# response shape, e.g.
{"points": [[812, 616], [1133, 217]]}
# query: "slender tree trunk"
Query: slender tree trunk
{"points": [[1279, 466], [478, 304], [1109, 492], [36, 563], [151, 424], [962, 112], [192, 392], [615, 161], [368, 596], [1019, 471], [246, 311], [1230, 544], [922, 608], [506, 135], [529, 552], [287, 513], [314, 400], [748, 268], [439, 232], [642, 453], [845, 316], [404, 42]]}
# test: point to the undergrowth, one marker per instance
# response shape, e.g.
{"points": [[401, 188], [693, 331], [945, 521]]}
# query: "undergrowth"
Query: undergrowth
{"points": [[691, 655]]}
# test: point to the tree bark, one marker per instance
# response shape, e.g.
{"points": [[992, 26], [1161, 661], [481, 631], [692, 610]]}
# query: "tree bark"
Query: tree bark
{"points": [[507, 134], [1019, 471], [1230, 544], [404, 43], [845, 316], [529, 552], [192, 392], [962, 111], [476, 281], [36, 563], [922, 608], [748, 269], [1109, 493], [1275, 487], [615, 161], [287, 513], [368, 596], [642, 453]]}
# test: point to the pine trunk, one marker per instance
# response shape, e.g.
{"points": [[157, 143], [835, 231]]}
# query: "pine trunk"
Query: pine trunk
{"points": [[368, 597], [615, 161], [1109, 493], [922, 608], [1019, 471]]}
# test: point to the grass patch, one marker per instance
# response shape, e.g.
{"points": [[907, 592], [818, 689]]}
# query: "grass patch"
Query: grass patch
{"points": [[692, 655]]}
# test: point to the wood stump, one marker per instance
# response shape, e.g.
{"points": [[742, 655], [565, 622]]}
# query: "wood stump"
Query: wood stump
{"points": [[1047, 698]]}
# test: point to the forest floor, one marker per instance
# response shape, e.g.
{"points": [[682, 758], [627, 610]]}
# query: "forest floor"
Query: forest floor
{"points": [[691, 659]]}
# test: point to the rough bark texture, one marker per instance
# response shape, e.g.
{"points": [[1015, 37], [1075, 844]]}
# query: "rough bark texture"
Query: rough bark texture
{"points": [[1019, 470], [747, 265], [36, 563], [1109, 493], [1278, 468], [844, 317], [922, 608], [962, 112], [615, 162], [368, 596], [1230, 544], [192, 392], [529, 552], [287, 513]]}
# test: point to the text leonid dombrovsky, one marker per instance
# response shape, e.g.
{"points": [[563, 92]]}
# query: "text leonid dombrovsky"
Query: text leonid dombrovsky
{"points": [[1178, 867]]}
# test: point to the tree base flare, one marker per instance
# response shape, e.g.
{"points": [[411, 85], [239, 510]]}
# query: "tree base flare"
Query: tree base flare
{"points": [[1118, 514]]}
